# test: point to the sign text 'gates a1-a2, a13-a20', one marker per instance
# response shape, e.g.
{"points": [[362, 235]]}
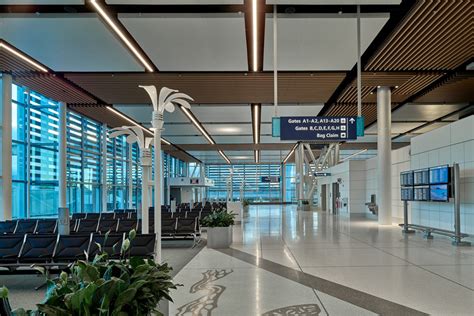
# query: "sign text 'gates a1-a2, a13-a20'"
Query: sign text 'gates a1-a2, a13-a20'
{"points": [[318, 128]]}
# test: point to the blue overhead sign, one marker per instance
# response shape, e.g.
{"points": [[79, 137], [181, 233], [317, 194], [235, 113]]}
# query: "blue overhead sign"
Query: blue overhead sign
{"points": [[318, 128]]}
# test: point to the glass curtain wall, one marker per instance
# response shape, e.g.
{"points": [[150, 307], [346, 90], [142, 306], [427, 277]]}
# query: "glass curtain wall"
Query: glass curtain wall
{"points": [[35, 140], [290, 183], [83, 164], [120, 157], [34, 154], [249, 177]]}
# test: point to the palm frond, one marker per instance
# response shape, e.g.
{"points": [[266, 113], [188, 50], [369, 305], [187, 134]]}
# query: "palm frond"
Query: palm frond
{"points": [[164, 94], [151, 90]]}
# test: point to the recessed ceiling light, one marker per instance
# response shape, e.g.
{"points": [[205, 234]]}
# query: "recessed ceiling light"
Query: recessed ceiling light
{"points": [[229, 129]]}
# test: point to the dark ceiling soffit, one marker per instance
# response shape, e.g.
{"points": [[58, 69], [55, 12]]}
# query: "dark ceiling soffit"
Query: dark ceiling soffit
{"points": [[396, 17], [440, 119], [123, 29], [435, 84], [133, 8]]}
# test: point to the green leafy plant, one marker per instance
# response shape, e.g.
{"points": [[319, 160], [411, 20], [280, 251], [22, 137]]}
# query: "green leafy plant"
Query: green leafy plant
{"points": [[218, 219], [245, 203], [305, 202], [129, 286]]}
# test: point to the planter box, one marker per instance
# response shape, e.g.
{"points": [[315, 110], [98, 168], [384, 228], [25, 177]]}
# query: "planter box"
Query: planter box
{"points": [[219, 237], [246, 208], [236, 208]]}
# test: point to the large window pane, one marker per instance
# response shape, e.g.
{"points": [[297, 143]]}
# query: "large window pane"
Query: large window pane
{"points": [[19, 199], [44, 200]]}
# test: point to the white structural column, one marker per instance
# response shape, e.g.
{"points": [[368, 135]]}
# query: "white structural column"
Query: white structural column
{"points": [[158, 124], [104, 168], [6, 145], [146, 166], [301, 172], [62, 154], [129, 177], [384, 155]]}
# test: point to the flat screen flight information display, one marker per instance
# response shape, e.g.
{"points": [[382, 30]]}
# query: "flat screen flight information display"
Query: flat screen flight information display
{"points": [[439, 175], [421, 193], [428, 184], [406, 178], [421, 177], [407, 194], [439, 192]]}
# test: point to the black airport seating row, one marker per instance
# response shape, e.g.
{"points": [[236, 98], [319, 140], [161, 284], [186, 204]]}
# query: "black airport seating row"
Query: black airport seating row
{"points": [[50, 226], [178, 228], [126, 210], [23, 226], [81, 226], [189, 214], [105, 215], [59, 250]]}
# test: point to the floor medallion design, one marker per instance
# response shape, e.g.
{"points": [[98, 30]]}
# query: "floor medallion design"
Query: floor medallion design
{"points": [[204, 305]]}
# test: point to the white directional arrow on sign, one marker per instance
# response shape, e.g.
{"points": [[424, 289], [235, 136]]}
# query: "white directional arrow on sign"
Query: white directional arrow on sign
{"points": [[352, 120]]}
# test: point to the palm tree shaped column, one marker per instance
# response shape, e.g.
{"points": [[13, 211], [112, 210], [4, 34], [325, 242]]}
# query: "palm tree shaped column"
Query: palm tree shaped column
{"points": [[168, 99], [135, 134]]}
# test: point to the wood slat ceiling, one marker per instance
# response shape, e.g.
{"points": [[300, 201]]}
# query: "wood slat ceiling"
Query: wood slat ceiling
{"points": [[458, 89], [369, 111], [408, 83], [101, 114], [436, 35], [213, 88], [55, 88], [10, 64]]}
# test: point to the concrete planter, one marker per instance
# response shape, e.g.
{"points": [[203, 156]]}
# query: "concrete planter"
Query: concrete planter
{"points": [[246, 208], [219, 237], [306, 207]]}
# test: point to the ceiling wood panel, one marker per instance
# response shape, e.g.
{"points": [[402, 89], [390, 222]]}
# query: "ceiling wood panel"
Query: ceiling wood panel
{"points": [[55, 88], [459, 88], [436, 35], [213, 88], [405, 84]]}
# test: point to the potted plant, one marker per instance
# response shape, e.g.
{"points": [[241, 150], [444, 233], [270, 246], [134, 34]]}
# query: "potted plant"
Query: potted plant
{"points": [[219, 229], [246, 205], [129, 286]]}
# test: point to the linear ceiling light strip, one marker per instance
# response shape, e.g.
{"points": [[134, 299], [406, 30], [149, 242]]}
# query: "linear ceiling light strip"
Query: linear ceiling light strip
{"points": [[224, 156], [290, 153], [203, 131], [22, 56], [198, 125], [121, 35], [254, 35]]}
